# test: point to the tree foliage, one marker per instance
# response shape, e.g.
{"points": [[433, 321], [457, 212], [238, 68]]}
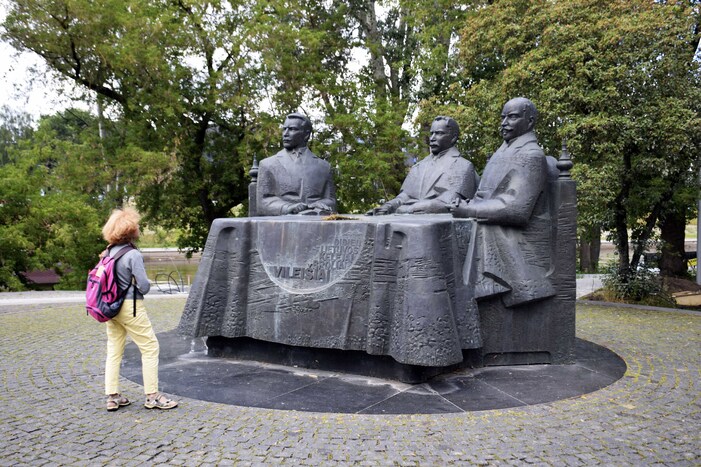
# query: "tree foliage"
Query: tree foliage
{"points": [[14, 126], [191, 90], [616, 79], [207, 83], [314, 49], [179, 75], [52, 201]]}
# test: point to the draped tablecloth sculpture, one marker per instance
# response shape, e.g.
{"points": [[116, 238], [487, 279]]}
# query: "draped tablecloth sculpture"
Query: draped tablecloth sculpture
{"points": [[389, 285]]}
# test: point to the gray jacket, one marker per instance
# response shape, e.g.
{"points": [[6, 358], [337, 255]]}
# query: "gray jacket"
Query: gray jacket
{"points": [[131, 264]]}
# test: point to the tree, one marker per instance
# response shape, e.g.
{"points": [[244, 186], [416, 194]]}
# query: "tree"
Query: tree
{"points": [[207, 83], [616, 79], [200, 87], [307, 53], [14, 126], [366, 112], [50, 215], [182, 79]]}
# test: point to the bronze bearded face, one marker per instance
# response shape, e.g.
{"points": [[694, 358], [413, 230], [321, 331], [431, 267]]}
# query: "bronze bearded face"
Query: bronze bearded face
{"points": [[442, 137], [516, 120]]}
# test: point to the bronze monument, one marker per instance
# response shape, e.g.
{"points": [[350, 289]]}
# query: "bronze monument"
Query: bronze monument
{"points": [[513, 250], [295, 181], [437, 180], [399, 296]]}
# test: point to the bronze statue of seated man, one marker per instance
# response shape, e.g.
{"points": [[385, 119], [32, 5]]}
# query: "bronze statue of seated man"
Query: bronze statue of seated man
{"points": [[434, 182], [512, 253], [295, 181]]}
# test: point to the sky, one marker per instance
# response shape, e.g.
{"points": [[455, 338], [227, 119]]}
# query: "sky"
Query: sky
{"points": [[34, 93], [22, 90]]}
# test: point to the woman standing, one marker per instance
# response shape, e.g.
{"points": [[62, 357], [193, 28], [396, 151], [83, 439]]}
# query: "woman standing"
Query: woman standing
{"points": [[121, 229]]}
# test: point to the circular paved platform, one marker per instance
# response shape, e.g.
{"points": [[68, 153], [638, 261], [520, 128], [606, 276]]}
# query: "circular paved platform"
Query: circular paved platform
{"points": [[52, 408], [186, 370]]}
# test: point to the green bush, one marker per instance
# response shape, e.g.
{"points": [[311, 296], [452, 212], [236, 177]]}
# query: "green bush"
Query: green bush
{"points": [[642, 286], [158, 237]]}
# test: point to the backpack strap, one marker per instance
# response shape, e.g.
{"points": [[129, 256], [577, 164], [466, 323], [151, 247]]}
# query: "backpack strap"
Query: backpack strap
{"points": [[133, 294], [126, 249]]}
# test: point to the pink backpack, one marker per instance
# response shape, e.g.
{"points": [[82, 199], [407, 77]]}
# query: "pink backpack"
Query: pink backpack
{"points": [[103, 299]]}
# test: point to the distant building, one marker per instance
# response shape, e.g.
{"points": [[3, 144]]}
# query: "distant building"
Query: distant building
{"points": [[41, 280]]}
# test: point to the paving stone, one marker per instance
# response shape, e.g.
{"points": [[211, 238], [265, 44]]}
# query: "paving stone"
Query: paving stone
{"points": [[651, 416]]}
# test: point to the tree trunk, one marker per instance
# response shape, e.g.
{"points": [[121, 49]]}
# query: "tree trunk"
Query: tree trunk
{"points": [[373, 41], [590, 250], [596, 251], [620, 221], [584, 255], [673, 261]]}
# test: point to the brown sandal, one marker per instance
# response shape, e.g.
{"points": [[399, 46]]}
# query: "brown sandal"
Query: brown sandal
{"points": [[115, 401]]}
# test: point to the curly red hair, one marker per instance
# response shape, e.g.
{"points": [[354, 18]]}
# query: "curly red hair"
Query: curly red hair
{"points": [[122, 226]]}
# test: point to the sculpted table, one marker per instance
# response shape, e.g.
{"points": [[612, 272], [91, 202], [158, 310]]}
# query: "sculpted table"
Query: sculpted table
{"points": [[388, 285]]}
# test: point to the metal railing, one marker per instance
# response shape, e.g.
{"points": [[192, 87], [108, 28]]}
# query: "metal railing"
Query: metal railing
{"points": [[170, 282]]}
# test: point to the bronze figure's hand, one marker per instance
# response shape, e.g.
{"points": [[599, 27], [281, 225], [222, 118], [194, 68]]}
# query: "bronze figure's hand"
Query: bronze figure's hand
{"points": [[296, 208]]}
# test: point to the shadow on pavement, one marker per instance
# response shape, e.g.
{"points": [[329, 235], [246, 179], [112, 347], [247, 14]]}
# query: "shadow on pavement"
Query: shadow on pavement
{"points": [[186, 370]]}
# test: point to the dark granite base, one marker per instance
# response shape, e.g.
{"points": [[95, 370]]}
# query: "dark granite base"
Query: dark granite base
{"points": [[188, 371], [343, 361]]}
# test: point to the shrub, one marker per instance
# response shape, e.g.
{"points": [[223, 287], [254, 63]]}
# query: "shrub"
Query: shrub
{"points": [[643, 286]]}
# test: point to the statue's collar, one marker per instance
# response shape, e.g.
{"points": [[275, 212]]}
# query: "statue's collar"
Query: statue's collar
{"points": [[520, 140], [296, 152], [450, 151]]}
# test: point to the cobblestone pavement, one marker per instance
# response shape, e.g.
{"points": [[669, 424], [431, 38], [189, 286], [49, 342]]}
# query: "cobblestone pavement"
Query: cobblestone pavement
{"points": [[53, 411]]}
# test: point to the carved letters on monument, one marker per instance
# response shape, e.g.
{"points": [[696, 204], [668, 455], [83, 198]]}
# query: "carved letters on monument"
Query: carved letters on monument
{"points": [[316, 262]]}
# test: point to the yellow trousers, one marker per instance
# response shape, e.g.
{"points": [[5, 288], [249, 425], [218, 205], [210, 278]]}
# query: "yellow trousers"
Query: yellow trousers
{"points": [[139, 329]]}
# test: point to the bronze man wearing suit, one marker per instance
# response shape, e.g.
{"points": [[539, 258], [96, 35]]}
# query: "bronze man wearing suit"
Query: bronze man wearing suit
{"points": [[295, 181], [437, 180], [513, 254]]}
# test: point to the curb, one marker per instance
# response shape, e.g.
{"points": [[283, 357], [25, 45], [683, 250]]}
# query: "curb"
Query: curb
{"points": [[639, 307]]}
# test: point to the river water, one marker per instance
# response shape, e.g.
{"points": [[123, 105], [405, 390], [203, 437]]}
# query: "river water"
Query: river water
{"points": [[170, 270]]}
